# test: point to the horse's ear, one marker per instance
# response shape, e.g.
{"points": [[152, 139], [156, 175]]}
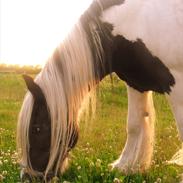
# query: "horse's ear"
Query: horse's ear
{"points": [[34, 88]]}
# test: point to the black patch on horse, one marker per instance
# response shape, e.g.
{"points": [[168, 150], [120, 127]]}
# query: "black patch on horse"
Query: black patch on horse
{"points": [[135, 64], [40, 136], [131, 61]]}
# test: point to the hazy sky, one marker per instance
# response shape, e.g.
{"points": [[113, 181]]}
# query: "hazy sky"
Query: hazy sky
{"points": [[31, 29]]}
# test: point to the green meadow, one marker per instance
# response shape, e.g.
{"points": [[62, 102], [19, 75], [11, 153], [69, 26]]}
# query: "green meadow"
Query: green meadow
{"points": [[101, 139]]}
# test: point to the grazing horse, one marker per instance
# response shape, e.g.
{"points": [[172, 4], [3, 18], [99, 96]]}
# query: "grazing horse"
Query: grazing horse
{"points": [[142, 42]]}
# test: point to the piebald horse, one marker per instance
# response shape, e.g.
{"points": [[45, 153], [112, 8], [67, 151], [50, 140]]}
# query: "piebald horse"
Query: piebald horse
{"points": [[142, 42]]}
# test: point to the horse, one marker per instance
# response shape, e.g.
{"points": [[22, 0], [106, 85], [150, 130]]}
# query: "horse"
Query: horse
{"points": [[139, 40]]}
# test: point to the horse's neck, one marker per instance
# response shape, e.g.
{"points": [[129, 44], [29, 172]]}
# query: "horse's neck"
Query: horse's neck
{"points": [[98, 35]]}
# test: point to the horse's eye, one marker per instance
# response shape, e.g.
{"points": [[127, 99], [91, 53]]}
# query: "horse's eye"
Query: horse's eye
{"points": [[38, 129]]}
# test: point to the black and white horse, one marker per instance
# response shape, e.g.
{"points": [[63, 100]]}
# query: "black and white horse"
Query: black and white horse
{"points": [[142, 42]]}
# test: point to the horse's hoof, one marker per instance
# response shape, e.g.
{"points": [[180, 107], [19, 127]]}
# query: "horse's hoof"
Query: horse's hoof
{"points": [[123, 168]]}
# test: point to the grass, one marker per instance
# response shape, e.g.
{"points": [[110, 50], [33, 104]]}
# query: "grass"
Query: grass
{"points": [[100, 142]]}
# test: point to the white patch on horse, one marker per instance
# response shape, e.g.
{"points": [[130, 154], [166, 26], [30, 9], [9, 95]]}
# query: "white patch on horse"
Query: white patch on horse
{"points": [[137, 153]]}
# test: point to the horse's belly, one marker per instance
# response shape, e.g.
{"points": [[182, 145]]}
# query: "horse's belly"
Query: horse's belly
{"points": [[159, 24]]}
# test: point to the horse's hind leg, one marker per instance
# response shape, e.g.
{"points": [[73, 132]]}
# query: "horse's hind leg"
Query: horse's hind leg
{"points": [[137, 153], [176, 101]]}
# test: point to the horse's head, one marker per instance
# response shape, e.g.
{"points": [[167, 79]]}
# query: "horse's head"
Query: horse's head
{"points": [[39, 128], [39, 132]]}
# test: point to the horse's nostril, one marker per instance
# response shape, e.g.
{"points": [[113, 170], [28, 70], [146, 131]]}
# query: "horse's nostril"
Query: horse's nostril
{"points": [[25, 177]]}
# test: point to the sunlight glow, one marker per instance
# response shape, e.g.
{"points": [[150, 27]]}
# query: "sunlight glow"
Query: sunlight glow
{"points": [[31, 29]]}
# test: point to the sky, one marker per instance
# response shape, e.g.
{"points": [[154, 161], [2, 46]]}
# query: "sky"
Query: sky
{"points": [[31, 29]]}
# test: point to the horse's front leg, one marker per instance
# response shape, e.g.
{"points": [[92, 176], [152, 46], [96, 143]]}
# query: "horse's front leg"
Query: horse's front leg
{"points": [[137, 153]]}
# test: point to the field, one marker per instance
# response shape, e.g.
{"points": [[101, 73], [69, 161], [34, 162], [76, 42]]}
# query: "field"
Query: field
{"points": [[101, 140]]}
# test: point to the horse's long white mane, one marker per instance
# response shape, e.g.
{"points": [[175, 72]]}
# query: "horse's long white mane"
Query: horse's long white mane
{"points": [[65, 81]]}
